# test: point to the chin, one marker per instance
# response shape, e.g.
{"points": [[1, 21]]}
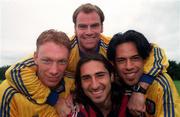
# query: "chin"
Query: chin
{"points": [[129, 83], [52, 85], [97, 101]]}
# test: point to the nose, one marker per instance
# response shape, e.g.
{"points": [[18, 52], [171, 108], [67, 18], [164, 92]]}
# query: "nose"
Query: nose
{"points": [[89, 30], [129, 65], [94, 83], [54, 69]]}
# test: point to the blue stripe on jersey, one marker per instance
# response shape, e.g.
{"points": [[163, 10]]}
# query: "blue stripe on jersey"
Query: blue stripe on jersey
{"points": [[15, 74], [17, 79], [6, 100], [74, 42], [103, 44], [157, 62], [167, 97]]}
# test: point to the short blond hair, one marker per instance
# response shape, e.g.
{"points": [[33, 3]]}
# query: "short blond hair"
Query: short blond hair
{"points": [[55, 36]]}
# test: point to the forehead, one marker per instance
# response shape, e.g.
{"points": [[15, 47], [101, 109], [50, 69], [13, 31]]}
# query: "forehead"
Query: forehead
{"points": [[92, 67], [92, 16], [52, 49], [126, 49]]}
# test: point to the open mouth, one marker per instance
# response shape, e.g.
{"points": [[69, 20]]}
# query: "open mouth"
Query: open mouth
{"points": [[97, 94]]}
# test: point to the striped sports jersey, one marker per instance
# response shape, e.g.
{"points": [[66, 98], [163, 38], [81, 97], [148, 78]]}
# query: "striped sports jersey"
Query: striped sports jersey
{"points": [[14, 104], [162, 98], [24, 78]]}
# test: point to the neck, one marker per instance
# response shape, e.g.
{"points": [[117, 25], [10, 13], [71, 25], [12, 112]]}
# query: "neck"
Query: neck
{"points": [[87, 51], [105, 107]]}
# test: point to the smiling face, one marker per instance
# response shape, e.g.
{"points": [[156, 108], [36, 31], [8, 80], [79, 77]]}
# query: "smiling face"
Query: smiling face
{"points": [[87, 29], [96, 82], [129, 63], [51, 59]]}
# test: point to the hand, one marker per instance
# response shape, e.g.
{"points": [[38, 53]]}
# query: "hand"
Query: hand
{"points": [[136, 104], [64, 106]]}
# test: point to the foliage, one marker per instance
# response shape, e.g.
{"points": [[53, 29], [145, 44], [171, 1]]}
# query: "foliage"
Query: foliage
{"points": [[2, 72], [174, 70], [177, 83]]}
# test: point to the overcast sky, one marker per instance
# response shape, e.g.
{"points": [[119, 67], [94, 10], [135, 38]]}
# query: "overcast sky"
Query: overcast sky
{"points": [[21, 22]]}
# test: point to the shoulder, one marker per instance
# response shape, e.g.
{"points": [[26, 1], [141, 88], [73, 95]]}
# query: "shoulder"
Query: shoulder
{"points": [[26, 64], [74, 41], [105, 39], [26, 61], [7, 96]]}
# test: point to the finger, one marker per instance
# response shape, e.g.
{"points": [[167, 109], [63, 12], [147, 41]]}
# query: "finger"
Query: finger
{"points": [[62, 114], [135, 113]]}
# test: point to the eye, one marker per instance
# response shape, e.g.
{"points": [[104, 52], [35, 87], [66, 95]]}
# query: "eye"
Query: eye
{"points": [[81, 26], [120, 60], [85, 78], [101, 75], [62, 62], [95, 25], [136, 58], [46, 61]]}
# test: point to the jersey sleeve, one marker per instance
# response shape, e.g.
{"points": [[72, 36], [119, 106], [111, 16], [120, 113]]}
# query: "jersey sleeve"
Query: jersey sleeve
{"points": [[156, 63], [15, 104], [22, 76]]}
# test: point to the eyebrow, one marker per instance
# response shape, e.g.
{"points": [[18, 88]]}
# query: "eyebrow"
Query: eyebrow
{"points": [[97, 73]]}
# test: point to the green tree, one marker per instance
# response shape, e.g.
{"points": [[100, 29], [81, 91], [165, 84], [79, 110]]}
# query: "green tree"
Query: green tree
{"points": [[174, 70], [2, 72]]}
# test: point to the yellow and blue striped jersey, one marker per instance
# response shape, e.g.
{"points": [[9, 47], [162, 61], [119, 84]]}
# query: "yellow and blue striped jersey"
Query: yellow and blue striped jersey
{"points": [[14, 104], [162, 98]]}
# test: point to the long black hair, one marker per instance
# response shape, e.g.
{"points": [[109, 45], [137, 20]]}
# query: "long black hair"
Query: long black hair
{"points": [[143, 46]]}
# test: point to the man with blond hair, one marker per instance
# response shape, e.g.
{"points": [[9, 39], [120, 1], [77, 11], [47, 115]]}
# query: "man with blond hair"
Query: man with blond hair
{"points": [[48, 64]]}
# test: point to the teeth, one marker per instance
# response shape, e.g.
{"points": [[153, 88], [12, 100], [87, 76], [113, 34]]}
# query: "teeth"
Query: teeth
{"points": [[97, 92], [130, 75]]}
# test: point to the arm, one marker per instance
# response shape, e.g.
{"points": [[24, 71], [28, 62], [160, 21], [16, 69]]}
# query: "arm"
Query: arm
{"points": [[22, 76], [156, 63], [64, 106], [164, 94], [20, 106]]}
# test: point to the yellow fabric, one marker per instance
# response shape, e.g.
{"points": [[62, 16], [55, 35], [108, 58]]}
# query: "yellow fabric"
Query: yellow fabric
{"points": [[165, 96], [69, 86], [25, 80], [156, 62], [14, 104]]}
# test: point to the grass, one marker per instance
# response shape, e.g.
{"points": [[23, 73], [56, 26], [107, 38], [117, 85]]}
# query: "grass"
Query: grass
{"points": [[177, 83]]}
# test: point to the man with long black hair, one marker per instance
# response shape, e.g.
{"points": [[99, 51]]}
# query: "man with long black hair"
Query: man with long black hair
{"points": [[129, 52]]}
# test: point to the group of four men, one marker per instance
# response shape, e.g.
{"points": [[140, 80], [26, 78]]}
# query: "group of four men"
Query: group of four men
{"points": [[74, 78]]}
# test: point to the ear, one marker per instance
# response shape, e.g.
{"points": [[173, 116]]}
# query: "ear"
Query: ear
{"points": [[35, 57], [112, 77]]}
